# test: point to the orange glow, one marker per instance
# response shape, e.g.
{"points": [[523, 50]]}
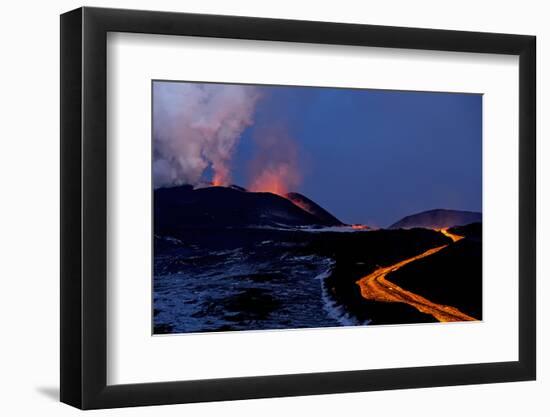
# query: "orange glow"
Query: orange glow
{"points": [[275, 179], [454, 237], [275, 167], [221, 178], [376, 287], [360, 226], [217, 182]]}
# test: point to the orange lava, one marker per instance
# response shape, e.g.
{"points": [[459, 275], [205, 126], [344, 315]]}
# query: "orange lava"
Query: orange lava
{"points": [[454, 237], [376, 287]]}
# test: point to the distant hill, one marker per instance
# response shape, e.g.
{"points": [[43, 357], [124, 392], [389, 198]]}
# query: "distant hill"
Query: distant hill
{"points": [[183, 207], [438, 218]]}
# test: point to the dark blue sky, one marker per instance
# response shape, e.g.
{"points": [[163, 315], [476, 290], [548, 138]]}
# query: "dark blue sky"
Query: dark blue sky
{"points": [[375, 156]]}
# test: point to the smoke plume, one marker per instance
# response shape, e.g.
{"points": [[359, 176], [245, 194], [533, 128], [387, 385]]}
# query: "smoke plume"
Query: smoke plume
{"points": [[196, 127], [275, 168]]}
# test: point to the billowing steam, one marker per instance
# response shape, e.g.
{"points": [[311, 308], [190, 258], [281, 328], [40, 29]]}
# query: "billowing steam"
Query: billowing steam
{"points": [[196, 127], [275, 168]]}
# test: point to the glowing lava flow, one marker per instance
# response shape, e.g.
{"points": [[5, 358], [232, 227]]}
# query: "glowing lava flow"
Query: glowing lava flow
{"points": [[376, 287], [455, 238]]}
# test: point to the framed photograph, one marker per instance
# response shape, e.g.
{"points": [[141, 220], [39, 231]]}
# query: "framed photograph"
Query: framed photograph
{"points": [[257, 208]]}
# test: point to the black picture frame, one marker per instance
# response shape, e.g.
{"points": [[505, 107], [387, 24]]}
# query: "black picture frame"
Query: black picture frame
{"points": [[84, 207]]}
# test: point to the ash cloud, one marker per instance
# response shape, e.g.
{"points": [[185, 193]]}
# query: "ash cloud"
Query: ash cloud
{"points": [[196, 127]]}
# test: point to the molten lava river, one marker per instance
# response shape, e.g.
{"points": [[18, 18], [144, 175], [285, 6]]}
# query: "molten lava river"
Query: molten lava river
{"points": [[376, 287]]}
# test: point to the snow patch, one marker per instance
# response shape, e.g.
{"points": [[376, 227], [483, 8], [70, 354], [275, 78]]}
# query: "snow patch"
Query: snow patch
{"points": [[332, 307]]}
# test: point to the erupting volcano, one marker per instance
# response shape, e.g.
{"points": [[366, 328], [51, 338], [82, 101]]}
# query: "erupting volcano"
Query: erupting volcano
{"points": [[294, 245], [178, 208]]}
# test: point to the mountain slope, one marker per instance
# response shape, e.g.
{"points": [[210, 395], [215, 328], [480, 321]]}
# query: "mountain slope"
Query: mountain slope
{"points": [[438, 218], [313, 208], [182, 207]]}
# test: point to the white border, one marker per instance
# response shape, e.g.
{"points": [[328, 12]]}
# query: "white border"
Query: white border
{"points": [[134, 356]]}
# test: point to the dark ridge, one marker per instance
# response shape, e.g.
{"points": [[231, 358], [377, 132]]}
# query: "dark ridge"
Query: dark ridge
{"points": [[313, 208], [237, 187], [183, 207], [472, 230]]}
